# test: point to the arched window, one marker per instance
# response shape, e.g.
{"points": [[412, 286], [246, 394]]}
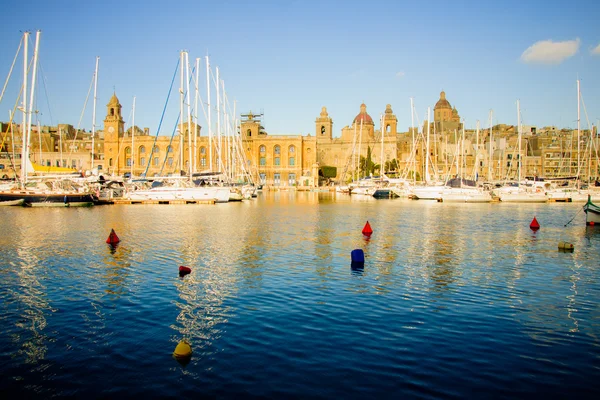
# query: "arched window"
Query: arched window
{"points": [[142, 149], [292, 149], [277, 149], [322, 129], [156, 149], [202, 150], [110, 162], [249, 132], [169, 149], [262, 148], [388, 128], [127, 150]]}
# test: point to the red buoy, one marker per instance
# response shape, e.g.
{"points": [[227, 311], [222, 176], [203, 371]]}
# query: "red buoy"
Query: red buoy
{"points": [[184, 270], [592, 223], [367, 231], [112, 238], [534, 225]]}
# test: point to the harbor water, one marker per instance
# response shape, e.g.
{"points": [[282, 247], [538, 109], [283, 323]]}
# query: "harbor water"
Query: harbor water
{"points": [[454, 300]]}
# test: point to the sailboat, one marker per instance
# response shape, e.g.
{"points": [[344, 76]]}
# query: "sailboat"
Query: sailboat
{"points": [[47, 191], [517, 192]]}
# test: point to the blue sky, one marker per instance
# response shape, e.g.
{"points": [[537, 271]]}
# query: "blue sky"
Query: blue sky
{"points": [[290, 58]]}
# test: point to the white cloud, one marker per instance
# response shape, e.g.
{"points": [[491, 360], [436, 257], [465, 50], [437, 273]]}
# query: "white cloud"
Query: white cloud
{"points": [[399, 74], [549, 52], [596, 50]]}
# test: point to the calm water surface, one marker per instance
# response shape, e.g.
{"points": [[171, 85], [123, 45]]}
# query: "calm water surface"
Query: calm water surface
{"points": [[454, 301]]}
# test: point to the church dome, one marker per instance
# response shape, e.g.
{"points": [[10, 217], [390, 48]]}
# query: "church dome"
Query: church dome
{"points": [[442, 102], [363, 116]]}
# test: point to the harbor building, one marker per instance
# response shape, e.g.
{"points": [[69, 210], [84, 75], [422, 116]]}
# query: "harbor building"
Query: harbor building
{"points": [[444, 148]]}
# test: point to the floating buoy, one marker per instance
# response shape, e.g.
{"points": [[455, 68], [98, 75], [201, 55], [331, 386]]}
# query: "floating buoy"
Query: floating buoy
{"points": [[565, 246], [367, 231], [112, 238], [592, 223], [183, 351], [358, 259], [535, 225], [357, 256], [183, 271]]}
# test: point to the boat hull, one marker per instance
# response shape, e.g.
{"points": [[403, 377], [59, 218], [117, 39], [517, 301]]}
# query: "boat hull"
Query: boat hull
{"points": [[592, 213], [30, 199]]}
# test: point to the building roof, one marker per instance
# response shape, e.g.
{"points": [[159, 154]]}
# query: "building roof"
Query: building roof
{"points": [[363, 116], [442, 102]]}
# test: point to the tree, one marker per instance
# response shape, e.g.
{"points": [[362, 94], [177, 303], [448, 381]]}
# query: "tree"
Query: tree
{"points": [[327, 173], [366, 165]]}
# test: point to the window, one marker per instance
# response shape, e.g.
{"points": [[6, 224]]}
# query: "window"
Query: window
{"points": [[292, 149], [263, 161], [202, 150], [277, 149], [263, 178], [155, 161], [292, 179], [142, 150], [203, 161], [277, 161], [262, 149], [128, 162], [156, 149], [249, 132], [322, 130], [143, 160], [110, 162], [127, 150], [169, 149], [170, 161], [276, 179], [292, 161]]}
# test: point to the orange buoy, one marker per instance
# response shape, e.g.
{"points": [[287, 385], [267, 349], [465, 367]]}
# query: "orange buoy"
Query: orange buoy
{"points": [[367, 231], [112, 238], [534, 224], [183, 271]]}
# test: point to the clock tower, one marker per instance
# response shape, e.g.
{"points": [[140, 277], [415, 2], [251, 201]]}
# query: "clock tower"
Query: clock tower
{"points": [[113, 130]]}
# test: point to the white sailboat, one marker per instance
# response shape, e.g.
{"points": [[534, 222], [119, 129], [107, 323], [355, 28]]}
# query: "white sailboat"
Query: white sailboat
{"points": [[517, 192]]}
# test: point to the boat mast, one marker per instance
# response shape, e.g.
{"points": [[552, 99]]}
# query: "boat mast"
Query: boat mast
{"points": [[491, 158], [132, 136], [94, 109], [24, 124], [412, 152], [33, 76], [427, 178], [519, 140], [578, 132], [210, 149], [197, 94], [189, 114], [218, 121], [381, 167], [476, 166], [181, 82]]}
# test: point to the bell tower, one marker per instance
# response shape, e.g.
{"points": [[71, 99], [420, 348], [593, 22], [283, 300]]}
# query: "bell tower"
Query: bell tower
{"points": [[113, 129], [324, 126], [390, 122], [113, 123]]}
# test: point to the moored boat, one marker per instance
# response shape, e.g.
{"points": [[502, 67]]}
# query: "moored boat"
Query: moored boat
{"points": [[592, 212]]}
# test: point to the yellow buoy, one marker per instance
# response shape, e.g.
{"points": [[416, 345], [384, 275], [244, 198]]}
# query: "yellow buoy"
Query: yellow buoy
{"points": [[565, 246], [183, 350]]}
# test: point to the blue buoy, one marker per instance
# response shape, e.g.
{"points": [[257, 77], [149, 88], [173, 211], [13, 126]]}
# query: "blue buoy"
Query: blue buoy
{"points": [[357, 256]]}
